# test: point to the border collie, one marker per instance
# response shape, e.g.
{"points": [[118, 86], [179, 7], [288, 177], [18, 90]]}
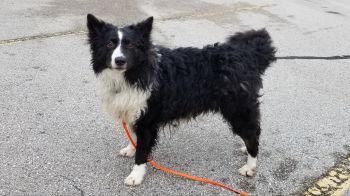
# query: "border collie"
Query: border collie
{"points": [[151, 86]]}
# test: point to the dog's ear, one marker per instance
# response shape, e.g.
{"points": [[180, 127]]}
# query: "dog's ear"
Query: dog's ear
{"points": [[94, 25], [145, 27]]}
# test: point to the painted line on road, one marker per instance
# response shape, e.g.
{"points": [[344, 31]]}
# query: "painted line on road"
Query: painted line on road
{"points": [[182, 17], [335, 183]]}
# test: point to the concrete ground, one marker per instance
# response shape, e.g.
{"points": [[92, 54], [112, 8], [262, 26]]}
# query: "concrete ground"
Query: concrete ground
{"points": [[55, 140]]}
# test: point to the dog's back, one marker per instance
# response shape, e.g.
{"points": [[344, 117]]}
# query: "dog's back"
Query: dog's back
{"points": [[195, 81]]}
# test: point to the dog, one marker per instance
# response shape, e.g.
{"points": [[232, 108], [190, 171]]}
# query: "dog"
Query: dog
{"points": [[151, 86]]}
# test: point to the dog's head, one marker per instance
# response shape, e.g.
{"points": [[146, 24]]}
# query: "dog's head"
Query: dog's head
{"points": [[118, 48]]}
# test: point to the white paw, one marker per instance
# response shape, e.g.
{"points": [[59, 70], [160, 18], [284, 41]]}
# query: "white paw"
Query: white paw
{"points": [[136, 176], [243, 149], [128, 151], [247, 171]]}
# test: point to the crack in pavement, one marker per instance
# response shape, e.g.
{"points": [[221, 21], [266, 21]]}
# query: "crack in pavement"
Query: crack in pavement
{"points": [[42, 36], [338, 57], [82, 193]]}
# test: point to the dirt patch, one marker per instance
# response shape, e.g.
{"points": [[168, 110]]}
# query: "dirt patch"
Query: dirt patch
{"points": [[285, 169]]}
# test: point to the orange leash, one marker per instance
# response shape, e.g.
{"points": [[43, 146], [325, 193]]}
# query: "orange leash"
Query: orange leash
{"points": [[154, 164]]}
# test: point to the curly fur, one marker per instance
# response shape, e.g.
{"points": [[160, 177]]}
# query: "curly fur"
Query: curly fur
{"points": [[182, 83]]}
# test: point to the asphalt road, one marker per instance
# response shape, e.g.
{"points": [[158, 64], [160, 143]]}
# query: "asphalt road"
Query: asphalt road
{"points": [[55, 140]]}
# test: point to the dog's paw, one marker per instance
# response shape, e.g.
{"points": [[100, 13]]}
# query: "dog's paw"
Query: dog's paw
{"points": [[128, 151], [133, 180], [243, 149], [136, 176], [247, 170]]}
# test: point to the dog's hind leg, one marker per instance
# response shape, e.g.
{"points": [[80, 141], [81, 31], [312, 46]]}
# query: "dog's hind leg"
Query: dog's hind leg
{"points": [[246, 123], [249, 168]]}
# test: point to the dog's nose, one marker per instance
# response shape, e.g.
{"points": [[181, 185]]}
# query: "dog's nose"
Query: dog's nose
{"points": [[120, 61]]}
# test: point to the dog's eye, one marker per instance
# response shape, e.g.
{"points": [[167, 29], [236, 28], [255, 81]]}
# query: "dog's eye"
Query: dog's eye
{"points": [[110, 44], [130, 45]]}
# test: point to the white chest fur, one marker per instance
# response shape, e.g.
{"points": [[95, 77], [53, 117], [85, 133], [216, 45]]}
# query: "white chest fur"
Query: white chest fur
{"points": [[119, 99]]}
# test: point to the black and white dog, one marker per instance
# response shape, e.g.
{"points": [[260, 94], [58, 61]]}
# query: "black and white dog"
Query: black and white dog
{"points": [[151, 86]]}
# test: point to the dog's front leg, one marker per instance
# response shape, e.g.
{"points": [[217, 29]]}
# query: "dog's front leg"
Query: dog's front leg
{"points": [[146, 139], [129, 150]]}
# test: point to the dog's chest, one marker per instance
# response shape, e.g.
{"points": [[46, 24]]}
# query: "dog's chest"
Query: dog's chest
{"points": [[120, 99]]}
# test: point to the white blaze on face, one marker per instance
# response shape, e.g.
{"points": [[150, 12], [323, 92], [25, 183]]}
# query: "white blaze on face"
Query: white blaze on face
{"points": [[118, 51]]}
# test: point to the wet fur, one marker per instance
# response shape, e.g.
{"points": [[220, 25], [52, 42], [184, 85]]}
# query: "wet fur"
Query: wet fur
{"points": [[182, 83]]}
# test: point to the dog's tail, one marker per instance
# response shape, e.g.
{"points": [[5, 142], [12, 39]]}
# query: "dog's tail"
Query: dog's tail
{"points": [[259, 43]]}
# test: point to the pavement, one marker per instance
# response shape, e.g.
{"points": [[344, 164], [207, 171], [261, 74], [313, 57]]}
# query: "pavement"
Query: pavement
{"points": [[55, 140]]}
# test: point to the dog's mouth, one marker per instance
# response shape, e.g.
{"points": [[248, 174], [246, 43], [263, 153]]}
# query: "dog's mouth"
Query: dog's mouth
{"points": [[119, 68]]}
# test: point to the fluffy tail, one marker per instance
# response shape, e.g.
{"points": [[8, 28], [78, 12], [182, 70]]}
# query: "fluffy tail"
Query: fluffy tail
{"points": [[259, 43]]}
